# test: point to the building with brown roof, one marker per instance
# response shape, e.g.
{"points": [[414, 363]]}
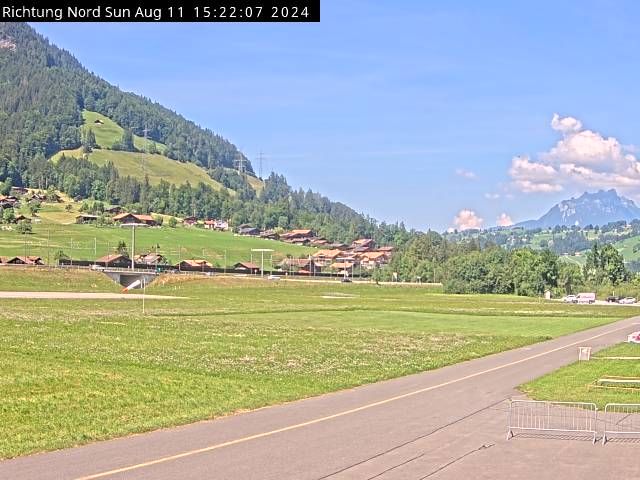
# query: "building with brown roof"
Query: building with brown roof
{"points": [[135, 219]]}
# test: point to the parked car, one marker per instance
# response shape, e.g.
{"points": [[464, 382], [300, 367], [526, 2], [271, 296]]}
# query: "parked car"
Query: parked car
{"points": [[627, 301], [273, 277], [613, 299], [346, 280], [570, 299]]}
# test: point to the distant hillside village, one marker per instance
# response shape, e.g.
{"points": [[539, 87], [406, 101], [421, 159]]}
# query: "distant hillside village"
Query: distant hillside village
{"points": [[357, 258]]}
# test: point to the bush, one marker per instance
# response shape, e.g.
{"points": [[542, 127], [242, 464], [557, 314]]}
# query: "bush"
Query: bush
{"points": [[24, 227]]}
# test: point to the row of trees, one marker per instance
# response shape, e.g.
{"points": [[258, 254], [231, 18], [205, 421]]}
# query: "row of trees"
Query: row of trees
{"points": [[470, 266]]}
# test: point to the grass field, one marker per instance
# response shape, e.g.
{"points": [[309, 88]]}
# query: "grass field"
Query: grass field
{"points": [[78, 371], [109, 132], [574, 383], [88, 242]]}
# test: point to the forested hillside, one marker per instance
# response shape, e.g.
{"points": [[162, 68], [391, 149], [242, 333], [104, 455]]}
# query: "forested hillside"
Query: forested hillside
{"points": [[43, 90], [43, 93]]}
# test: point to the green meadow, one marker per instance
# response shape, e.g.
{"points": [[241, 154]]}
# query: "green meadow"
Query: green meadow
{"points": [[577, 382], [79, 371], [56, 231]]}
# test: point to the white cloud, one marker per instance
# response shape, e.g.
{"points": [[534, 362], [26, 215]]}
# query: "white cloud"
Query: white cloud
{"points": [[467, 219], [492, 196], [581, 158], [566, 124], [461, 172], [504, 220]]}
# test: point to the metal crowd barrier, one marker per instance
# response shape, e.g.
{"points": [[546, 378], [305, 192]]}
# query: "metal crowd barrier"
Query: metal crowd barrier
{"points": [[621, 419], [558, 417]]}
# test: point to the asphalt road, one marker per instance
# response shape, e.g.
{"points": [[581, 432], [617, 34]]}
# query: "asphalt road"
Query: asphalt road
{"points": [[447, 423], [83, 296]]}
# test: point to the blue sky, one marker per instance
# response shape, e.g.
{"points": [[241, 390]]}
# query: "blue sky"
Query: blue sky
{"points": [[407, 110]]}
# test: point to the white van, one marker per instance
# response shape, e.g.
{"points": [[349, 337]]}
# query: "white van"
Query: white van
{"points": [[586, 298]]}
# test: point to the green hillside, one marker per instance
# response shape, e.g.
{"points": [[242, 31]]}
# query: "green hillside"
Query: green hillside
{"points": [[108, 132], [136, 164], [88, 242]]}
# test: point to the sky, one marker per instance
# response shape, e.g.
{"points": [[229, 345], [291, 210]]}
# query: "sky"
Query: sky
{"points": [[450, 114]]}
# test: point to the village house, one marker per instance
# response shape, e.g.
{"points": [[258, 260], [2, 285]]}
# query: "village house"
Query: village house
{"points": [[19, 190], [343, 267], [247, 267], [304, 266], [22, 218], [151, 259], [319, 242], [337, 246], [28, 260], [86, 218], [249, 231], [324, 258], [8, 201], [116, 260], [300, 236], [371, 260], [363, 245], [114, 210], [190, 221], [135, 219], [269, 235], [193, 265], [221, 225]]}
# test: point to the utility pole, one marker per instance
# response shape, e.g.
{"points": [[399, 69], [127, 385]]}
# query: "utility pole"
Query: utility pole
{"points": [[133, 246], [260, 157]]}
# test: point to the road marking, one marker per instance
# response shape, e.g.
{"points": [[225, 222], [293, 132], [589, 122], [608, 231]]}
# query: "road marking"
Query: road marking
{"points": [[339, 414]]}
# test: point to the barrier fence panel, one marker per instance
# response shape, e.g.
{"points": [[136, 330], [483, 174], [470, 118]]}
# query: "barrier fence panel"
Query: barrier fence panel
{"points": [[621, 419], [560, 417]]}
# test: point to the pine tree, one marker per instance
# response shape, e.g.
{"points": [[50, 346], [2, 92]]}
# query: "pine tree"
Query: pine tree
{"points": [[89, 142]]}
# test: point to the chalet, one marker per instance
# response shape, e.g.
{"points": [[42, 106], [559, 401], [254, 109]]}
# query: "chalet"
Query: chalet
{"points": [[342, 268], [135, 219], [19, 190], [303, 266], [371, 260], [114, 260], [22, 218], [28, 260], [194, 265], [363, 243], [8, 201], [114, 210], [36, 197], [269, 235], [151, 259], [337, 246], [249, 231], [86, 218], [247, 267], [190, 221], [319, 242], [324, 258], [300, 236], [221, 225], [387, 250]]}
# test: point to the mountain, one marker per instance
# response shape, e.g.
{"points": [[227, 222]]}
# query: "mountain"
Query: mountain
{"points": [[597, 208]]}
